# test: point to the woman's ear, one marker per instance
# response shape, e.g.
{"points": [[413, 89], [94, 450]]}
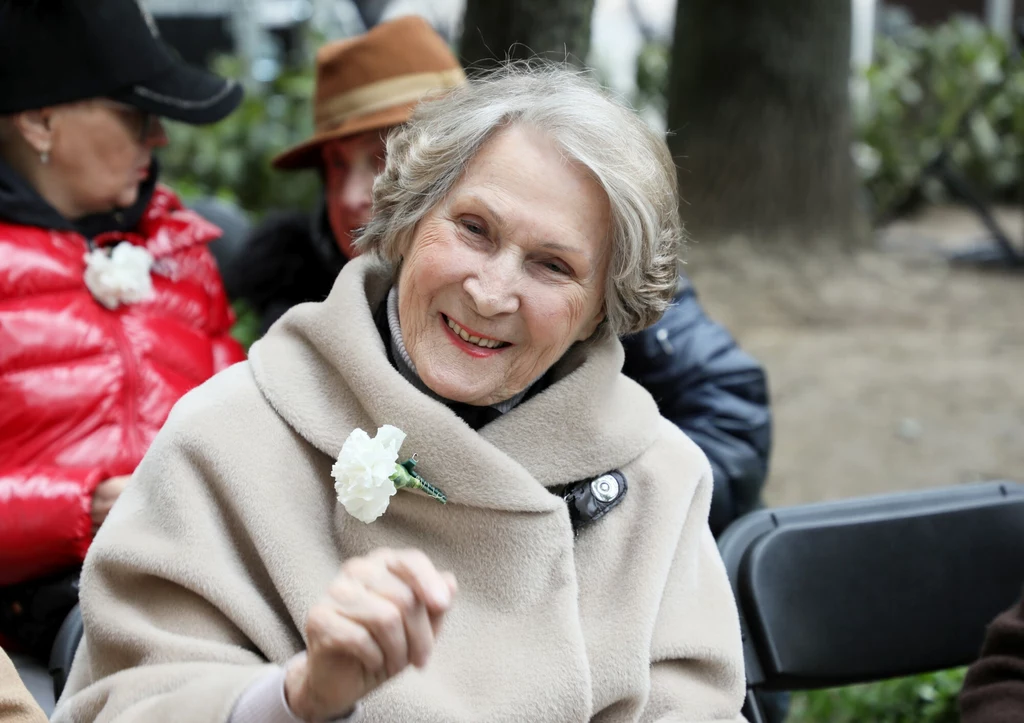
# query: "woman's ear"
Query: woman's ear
{"points": [[34, 127]]}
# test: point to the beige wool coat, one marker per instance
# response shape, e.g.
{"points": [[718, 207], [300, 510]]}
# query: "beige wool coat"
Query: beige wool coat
{"points": [[16, 704], [230, 531]]}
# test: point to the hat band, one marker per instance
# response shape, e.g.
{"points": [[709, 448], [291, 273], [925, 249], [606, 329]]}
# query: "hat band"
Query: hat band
{"points": [[384, 94]]}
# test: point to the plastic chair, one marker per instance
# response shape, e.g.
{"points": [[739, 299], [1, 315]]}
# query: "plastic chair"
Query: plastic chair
{"points": [[865, 589], [62, 654]]}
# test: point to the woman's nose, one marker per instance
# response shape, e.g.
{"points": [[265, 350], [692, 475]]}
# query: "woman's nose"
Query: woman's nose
{"points": [[494, 290]]}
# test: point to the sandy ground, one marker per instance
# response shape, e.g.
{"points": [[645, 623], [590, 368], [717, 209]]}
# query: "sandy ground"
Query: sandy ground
{"points": [[889, 369]]}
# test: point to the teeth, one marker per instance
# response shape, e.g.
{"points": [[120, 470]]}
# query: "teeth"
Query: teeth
{"points": [[485, 343]]}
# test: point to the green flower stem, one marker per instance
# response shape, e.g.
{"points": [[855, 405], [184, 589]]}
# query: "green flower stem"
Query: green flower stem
{"points": [[407, 477]]}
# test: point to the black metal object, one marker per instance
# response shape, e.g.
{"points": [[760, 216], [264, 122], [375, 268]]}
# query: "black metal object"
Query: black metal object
{"points": [[64, 647], [999, 251], [866, 589], [590, 500]]}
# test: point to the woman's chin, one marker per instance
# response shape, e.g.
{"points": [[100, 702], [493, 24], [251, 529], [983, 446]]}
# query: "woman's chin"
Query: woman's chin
{"points": [[460, 390], [128, 197]]}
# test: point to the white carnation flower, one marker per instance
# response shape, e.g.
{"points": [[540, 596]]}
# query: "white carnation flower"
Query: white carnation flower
{"points": [[364, 469], [121, 276]]}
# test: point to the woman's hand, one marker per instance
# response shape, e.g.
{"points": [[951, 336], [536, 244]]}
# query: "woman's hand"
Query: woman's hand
{"points": [[381, 613], [104, 497]]}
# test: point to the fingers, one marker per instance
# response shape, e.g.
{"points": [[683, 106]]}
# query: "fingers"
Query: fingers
{"points": [[331, 633], [380, 617], [401, 598], [438, 618], [453, 585], [383, 611], [98, 515], [419, 632], [419, 573]]}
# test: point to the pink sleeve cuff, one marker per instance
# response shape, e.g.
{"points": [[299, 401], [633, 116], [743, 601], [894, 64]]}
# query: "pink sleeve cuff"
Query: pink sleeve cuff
{"points": [[264, 702]]}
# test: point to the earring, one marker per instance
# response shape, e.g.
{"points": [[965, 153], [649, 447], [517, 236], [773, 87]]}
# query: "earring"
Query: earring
{"points": [[44, 157]]}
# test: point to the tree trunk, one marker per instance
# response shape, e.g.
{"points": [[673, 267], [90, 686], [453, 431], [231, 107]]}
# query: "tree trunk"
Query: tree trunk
{"points": [[494, 30], [759, 107]]}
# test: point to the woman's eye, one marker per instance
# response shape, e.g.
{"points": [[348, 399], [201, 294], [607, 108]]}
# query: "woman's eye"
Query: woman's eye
{"points": [[474, 228], [557, 266]]}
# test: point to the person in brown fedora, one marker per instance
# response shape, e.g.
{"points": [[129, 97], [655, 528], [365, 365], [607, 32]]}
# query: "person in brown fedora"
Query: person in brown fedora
{"points": [[702, 380], [364, 87]]}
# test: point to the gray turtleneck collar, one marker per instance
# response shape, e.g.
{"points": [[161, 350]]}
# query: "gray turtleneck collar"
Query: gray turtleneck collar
{"points": [[408, 370]]}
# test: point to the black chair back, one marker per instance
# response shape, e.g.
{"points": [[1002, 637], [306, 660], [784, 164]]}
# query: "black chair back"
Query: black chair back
{"points": [[63, 652], [865, 589]]}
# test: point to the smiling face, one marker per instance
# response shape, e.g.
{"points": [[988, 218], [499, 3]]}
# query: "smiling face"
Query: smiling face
{"points": [[506, 273]]}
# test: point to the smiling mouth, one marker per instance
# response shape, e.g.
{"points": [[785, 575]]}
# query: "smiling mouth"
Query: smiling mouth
{"points": [[481, 341]]}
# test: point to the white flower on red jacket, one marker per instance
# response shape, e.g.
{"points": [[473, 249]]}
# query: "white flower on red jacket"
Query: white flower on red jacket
{"points": [[120, 276]]}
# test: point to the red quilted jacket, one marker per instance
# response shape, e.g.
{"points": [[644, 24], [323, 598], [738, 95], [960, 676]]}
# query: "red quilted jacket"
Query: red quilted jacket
{"points": [[84, 389]]}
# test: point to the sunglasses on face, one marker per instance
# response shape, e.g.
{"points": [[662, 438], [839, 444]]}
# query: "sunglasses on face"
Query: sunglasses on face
{"points": [[138, 122]]}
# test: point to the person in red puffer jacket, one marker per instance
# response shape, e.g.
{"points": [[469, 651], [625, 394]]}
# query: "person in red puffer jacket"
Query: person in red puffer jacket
{"points": [[111, 306], [83, 388]]}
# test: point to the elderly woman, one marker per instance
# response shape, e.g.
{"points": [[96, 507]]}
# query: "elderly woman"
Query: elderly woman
{"points": [[701, 379], [111, 306], [521, 223]]}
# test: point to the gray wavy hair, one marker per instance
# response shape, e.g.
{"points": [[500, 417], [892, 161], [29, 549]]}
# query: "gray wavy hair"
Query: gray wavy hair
{"points": [[427, 156]]}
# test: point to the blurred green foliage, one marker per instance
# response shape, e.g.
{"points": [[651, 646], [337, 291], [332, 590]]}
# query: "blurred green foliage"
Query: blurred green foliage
{"points": [[246, 329], [955, 85], [652, 69], [928, 698], [231, 159]]}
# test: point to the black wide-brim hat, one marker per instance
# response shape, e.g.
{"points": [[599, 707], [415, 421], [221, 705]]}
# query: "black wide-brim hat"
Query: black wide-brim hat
{"points": [[61, 51]]}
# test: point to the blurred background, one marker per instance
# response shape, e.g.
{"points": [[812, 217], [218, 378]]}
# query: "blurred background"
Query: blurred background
{"points": [[852, 181]]}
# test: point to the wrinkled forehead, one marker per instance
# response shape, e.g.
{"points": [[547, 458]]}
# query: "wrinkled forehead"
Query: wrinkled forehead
{"points": [[522, 162], [525, 185]]}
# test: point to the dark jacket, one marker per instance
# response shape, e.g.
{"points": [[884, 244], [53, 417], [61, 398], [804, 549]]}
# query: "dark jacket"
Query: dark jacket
{"points": [[993, 690], [712, 390], [289, 259], [701, 379]]}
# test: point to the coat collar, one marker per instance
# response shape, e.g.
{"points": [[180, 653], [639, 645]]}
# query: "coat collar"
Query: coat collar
{"points": [[324, 370]]}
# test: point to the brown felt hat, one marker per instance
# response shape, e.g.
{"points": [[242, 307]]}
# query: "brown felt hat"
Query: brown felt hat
{"points": [[374, 81]]}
